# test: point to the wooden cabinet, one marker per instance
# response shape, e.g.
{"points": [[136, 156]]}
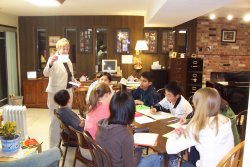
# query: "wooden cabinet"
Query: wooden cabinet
{"points": [[34, 93], [178, 72], [194, 75]]}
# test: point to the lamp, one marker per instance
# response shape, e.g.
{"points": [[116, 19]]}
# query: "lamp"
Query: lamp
{"points": [[140, 45]]}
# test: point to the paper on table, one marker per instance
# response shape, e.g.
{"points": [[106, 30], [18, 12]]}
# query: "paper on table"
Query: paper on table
{"points": [[160, 115], [74, 83], [143, 119], [146, 111], [177, 125], [146, 139], [168, 134]]}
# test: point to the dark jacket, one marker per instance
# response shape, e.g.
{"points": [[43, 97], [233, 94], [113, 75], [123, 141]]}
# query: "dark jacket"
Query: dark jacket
{"points": [[118, 142], [150, 97], [70, 118]]}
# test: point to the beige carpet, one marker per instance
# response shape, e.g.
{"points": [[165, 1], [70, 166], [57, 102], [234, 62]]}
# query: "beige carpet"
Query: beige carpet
{"points": [[38, 128]]}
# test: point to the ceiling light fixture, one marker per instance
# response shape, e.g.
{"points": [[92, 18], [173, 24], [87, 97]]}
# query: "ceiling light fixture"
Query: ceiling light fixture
{"points": [[47, 2], [212, 16], [229, 17]]}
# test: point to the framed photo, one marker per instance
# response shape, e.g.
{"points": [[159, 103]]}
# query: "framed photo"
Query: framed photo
{"points": [[86, 40], [228, 36], [151, 38], [53, 40], [122, 41]]}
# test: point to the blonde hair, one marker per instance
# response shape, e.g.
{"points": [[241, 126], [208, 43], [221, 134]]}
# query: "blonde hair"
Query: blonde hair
{"points": [[62, 43], [207, 104], [99, 91]]}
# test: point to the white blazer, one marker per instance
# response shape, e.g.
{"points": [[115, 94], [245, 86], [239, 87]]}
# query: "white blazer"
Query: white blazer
{"points": [[58, 75]]}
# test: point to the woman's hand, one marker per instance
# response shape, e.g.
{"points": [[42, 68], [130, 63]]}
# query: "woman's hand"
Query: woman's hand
{"points": [[153, 110], [53, 59]]}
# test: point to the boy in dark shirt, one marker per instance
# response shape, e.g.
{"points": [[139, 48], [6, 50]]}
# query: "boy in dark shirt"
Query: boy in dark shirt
{"points": [[68, 117], [145, 93]]}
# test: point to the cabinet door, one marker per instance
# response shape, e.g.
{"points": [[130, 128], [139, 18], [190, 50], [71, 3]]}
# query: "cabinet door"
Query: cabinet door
{"points": [[29, 92], [41, 94], [178, 72]]}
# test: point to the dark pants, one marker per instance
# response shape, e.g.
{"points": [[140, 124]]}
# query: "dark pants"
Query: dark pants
{"points": [[194, 156]]}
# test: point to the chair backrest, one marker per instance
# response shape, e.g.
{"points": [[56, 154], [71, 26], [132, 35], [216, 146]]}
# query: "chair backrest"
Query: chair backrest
{"points": [[100, 156], [48, 158], [80, 138], [234, 157], [241, 121], [79, 98]]}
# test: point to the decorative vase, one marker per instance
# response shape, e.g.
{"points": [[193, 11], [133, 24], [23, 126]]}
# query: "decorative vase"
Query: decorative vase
{"points": [[11, 146]]}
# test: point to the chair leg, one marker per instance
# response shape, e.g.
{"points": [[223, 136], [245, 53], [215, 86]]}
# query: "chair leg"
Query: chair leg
{"points": [[64, 155], [74, 164], [59, 146]]}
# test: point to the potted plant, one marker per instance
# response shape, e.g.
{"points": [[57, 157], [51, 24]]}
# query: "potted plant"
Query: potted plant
{"points": [[9, 137]]}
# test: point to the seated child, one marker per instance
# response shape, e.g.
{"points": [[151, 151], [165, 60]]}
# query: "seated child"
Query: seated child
{"points": [[145, 93], [67, 116], [104, 78], [98, 107], [114, 136], [174, 102], [209, 131]]}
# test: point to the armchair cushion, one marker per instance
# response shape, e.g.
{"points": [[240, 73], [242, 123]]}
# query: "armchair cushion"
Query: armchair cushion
{"points": [[48, 158]]}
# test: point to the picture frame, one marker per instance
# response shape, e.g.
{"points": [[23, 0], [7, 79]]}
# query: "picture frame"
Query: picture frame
{"points": [[167, 43], [86, 40], [228, 36], [53, 40], [151, 39], [122, 41]]}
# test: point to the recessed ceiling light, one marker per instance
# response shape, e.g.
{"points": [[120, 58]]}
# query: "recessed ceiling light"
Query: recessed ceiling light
{"points": [[212, 16], [247, 17], [229, 17], [45, 2]]}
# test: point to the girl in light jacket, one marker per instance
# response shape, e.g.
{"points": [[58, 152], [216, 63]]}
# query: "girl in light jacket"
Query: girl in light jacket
{"points": [[208, 131]]}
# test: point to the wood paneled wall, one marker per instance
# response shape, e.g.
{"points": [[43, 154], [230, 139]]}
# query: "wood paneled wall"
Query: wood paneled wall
{"points": [[85, 63]]}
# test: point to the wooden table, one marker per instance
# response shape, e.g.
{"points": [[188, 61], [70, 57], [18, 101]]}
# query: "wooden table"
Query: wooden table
{"points": [[160, 127]]}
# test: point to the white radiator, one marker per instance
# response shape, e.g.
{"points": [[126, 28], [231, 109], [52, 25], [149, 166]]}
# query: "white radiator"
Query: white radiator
{"points": [[17, 114]]}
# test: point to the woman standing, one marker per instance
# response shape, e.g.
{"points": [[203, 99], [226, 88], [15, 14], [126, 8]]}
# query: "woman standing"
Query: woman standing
{"points": [[59, 69]]}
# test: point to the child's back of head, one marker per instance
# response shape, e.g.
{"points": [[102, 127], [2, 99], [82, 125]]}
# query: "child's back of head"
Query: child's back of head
{"points": [[62, 97]]}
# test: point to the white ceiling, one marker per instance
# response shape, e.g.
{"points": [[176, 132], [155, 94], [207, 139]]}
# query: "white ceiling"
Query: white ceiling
{"points": [[157, 13]]}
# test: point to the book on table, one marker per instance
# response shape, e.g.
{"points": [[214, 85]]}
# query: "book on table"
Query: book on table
{"points": [[146, 139]]}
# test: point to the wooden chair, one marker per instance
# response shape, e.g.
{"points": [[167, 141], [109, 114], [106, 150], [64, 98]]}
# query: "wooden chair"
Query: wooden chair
{"points": [[100, 156], [79, 99], [67, 137], [241, 121], [82, 144], [234, 158]]}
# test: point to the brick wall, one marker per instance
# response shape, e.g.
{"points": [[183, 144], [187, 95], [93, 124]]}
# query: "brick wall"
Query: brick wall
{"points": [[220, 56]]}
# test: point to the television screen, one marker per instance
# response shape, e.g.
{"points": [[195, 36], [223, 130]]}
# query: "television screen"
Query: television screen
{"points": [[109, 66]]}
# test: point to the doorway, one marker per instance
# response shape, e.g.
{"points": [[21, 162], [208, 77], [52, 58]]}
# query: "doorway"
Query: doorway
{"points": [[3, 71]]}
